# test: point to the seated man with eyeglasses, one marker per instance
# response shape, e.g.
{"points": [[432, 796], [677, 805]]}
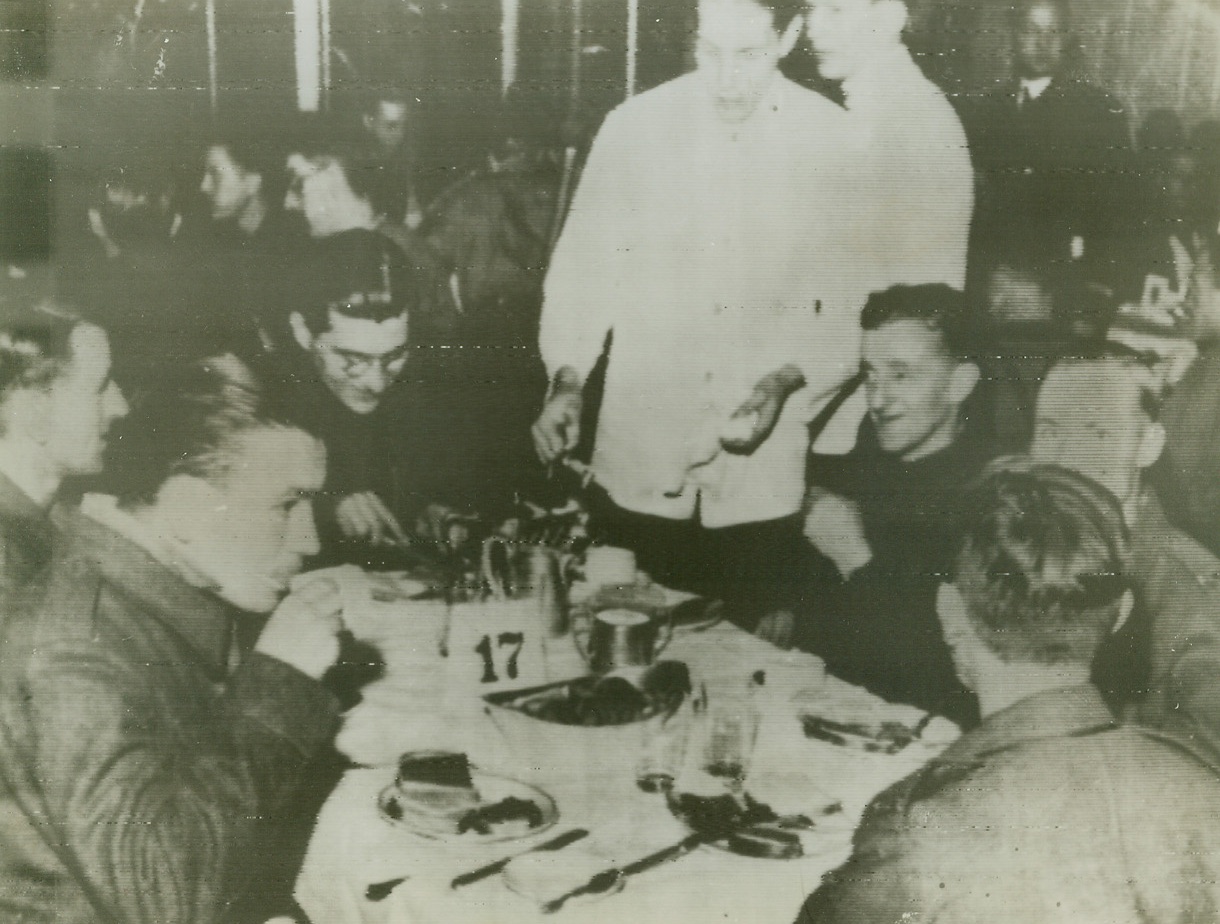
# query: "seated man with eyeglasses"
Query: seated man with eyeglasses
{"points": [[392, 426]]}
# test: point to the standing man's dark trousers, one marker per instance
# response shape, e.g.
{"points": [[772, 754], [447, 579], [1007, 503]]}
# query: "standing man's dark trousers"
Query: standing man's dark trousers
{"points": [[755, 568]]}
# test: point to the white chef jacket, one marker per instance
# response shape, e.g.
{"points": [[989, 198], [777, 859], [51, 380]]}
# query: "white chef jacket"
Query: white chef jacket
{"points": [[715, 254], [916, 214]]}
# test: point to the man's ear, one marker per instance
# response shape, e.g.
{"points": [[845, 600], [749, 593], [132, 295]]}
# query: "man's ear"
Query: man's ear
{"points": [[788, 40], [962, 382], [1152, 444], [300, 331]]}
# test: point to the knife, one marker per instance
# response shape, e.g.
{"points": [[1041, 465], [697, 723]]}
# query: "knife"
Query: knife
{"points": [[555, 843], [608, 878]]}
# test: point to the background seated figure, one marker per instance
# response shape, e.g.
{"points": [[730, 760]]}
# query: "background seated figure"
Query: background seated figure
{"points": [[883, 513], [143, 750], [1050, 811]]}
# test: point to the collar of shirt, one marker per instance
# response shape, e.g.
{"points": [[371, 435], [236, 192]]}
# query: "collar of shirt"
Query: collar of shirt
{"points": [[1060, 713], [18, 506], [154, 569], [1034, 88]]}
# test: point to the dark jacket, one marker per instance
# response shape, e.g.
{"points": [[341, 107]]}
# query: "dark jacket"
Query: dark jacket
{"points": [[1047, 813], [879, 628], [25, 546], [1162, 667], [1050, 169], [136, 766]]}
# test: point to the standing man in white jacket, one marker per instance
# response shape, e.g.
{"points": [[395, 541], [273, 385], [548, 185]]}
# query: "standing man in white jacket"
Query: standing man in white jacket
{"points": [[916, 215], [708, 236]]}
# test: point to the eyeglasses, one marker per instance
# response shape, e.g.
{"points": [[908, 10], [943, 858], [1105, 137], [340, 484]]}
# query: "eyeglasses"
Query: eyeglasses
{"points": [[355, 365]]}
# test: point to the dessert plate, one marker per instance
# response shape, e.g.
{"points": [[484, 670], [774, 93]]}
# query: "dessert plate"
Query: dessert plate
{"points": [[482, 824]]}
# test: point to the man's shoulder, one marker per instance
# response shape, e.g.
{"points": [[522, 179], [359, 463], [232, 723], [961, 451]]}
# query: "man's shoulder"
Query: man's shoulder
{"points": [[672, 98]]}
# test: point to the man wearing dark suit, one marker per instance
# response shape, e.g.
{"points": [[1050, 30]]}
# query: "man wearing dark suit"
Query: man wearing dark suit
{"points": [[1050, 150], [1050, 811]]}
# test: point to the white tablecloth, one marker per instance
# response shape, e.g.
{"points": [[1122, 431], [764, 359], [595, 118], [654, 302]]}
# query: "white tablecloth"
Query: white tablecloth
{"points": [[412, 708]]}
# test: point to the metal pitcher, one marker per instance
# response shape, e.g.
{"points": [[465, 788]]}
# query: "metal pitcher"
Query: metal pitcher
{"points": [[520, 571]]}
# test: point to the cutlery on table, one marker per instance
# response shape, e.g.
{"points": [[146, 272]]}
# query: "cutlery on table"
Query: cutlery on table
{"points": [[555, 843], [608, 879]]}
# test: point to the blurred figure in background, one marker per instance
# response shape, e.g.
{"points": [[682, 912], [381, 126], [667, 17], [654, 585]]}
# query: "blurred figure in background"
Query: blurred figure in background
{"points": [[1053, 156]]}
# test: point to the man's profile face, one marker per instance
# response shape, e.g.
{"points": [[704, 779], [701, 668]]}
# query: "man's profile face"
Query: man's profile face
{"points": [[841, 32], [909, 382], [318, 189], [358, 358], [388, 125], [257, 529], [226, 185], [1089, 419], [83, 403], [738, 52], [1039, 41]]}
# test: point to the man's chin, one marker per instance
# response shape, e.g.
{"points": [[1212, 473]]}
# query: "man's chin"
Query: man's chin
{"points": [[734, 111]]}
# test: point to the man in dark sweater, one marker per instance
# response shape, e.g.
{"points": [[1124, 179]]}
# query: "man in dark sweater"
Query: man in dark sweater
{"points": [[883, 513], [392, 422]]}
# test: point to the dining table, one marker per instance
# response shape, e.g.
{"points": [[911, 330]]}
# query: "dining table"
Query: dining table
{"points": [[419, 703]]}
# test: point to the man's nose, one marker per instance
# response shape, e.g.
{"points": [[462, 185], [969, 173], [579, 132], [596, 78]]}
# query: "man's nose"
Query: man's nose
{"points": [[879, 398], [117, 402], [376, 379]]}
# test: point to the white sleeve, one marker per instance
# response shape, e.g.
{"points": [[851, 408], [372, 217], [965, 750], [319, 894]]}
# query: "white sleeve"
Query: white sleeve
{"points": [[581, 292]]}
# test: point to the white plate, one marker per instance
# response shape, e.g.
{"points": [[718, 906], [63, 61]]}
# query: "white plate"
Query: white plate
{"points": [[492, 788]]}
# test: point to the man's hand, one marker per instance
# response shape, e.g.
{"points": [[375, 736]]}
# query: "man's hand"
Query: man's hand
{"points": [[753, 422], [834, 526], [303, 630], [557, 429], [364, 516], [777, 628]]}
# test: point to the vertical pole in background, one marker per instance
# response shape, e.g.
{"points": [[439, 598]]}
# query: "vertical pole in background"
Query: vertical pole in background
{"points": [[1186, 52], [510, 19], [209, 16], [307, 47], [577, 51], [633, 44], [324, 27]]}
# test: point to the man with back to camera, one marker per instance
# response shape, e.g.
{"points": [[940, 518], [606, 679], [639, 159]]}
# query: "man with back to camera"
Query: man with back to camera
{"points": [[915, 215], [57, 404], [142, 752], [1099, 416], [394, 432], [1050, 811], [707, 237], [883, 514]]}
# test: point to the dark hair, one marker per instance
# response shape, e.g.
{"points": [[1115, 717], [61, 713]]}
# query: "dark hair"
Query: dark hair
{"points": [[325, 140], [1042, 561], [189, 424], [783, 11], [252, 151], [35, 346], [358, 274], [939, 307]]}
